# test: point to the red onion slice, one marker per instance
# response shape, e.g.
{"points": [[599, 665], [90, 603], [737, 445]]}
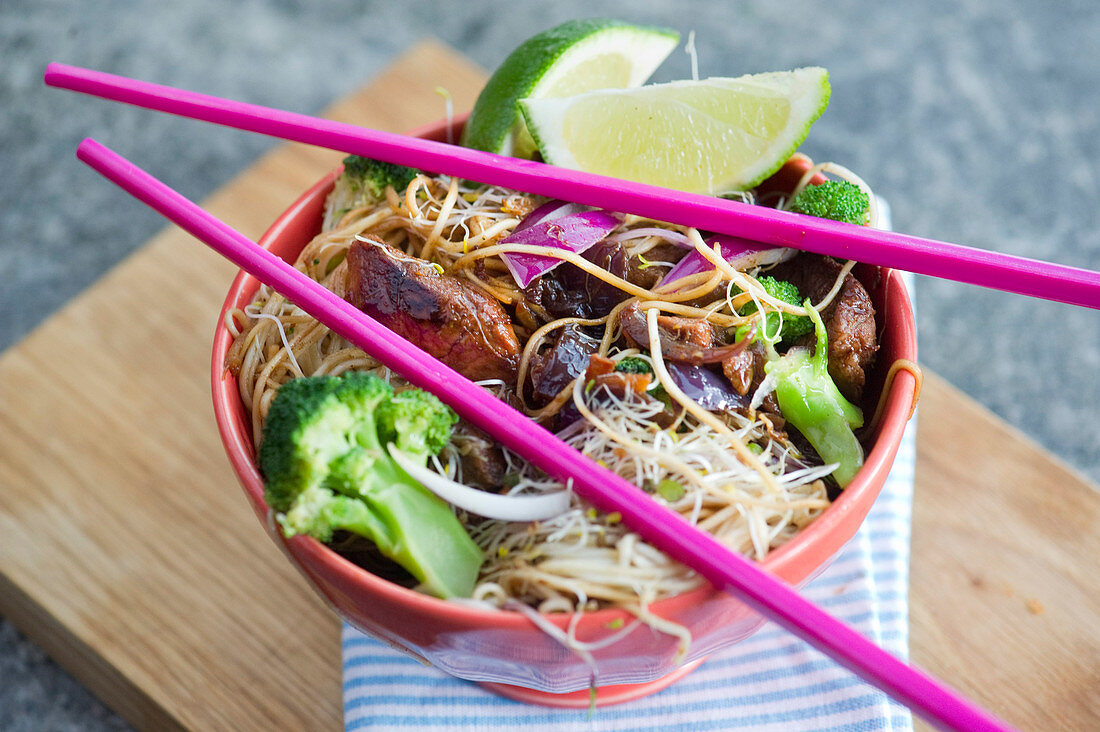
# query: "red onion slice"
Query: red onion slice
{"points": [[741, 253], [709, 390], [549, 211], [560, 227]]}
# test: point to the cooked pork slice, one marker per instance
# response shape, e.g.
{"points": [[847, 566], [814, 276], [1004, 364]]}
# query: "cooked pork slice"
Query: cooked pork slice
{"points": [[448, 317], [676, 333], [741, 369], [849, 318], [483, 463]]}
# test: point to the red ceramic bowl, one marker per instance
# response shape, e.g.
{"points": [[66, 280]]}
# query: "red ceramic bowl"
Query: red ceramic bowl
{"points": [[504, 649]]}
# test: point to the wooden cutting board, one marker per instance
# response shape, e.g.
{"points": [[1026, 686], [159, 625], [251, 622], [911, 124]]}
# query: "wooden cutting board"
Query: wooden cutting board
{"points": [[128, 552]]}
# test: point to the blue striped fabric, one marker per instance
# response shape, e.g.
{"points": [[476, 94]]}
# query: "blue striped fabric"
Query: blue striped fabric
{"points": [[771, 681]]}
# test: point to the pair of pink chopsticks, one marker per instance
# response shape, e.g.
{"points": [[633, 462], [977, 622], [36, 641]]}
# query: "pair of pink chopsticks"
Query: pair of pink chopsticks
{"points": [[756, 223], [661, 527]]}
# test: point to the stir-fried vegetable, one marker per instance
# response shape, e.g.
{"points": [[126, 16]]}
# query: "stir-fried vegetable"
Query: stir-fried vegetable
{"points": [[740, 253], [810, 400], [326, 469], [559, 225], [839, 200], [364, 181], [794, 326]]}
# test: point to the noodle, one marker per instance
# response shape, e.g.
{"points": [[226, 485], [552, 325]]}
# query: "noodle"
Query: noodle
{"points": [[739, 478]]}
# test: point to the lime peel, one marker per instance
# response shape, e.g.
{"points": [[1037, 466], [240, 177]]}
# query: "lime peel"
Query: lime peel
{"points": [[713, 136], [574, 57]]}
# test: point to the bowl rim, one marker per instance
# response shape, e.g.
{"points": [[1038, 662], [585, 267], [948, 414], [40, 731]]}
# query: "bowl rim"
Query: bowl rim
{"points": [[237, 441]]}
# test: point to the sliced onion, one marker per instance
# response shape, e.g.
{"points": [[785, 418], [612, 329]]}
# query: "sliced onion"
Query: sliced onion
{"points": [[678, 238], [767, 386], [741, 253], [709, 390], [562, 226], [548, 211], [482, 503]]}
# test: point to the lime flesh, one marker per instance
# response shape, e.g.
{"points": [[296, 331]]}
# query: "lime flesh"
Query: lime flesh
{"points": [[712, 136], [572, 58]]}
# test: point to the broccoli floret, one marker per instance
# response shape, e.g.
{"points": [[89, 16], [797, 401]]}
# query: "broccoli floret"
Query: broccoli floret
{"points": [[373, 177], [781, 290], [794, 326], [634, 365], [412, 421], [308, 426], [364, 181], [836, 200], [809, 399], [326, 468]]}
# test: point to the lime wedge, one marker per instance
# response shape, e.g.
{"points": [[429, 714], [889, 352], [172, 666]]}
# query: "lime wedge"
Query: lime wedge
{"points": [[574, 57], [711, 136]]}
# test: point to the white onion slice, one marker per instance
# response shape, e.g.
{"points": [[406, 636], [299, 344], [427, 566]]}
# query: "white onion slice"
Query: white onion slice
{"points": [[674, 237], [489, 505]]}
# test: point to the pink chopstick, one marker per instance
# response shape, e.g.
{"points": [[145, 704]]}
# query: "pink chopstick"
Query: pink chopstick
{"points": [[660, 526], [757, 223]]}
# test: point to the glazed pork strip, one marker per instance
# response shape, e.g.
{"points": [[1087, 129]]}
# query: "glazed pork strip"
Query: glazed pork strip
{"points": [[849, 318], [448, 317], [483, 462]]}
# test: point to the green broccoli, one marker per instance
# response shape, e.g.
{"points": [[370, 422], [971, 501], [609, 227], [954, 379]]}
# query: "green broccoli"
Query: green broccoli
{"points": [[836, 200], [634, 365], [809, 400], [364, 181], [326, 468], [794, 326]]}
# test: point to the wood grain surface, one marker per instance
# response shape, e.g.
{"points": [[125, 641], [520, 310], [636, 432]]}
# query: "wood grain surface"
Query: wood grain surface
{"points": [[129, 553]]}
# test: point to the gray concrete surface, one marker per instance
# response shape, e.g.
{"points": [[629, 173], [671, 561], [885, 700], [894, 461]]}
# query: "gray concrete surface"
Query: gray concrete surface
{"points": [[979, 122]]}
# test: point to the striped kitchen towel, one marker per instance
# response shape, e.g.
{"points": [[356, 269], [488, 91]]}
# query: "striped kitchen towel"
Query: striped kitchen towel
{"points": [[771, 681]]}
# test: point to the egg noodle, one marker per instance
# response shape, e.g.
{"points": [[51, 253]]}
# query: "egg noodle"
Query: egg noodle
{"points": [[732, 474]]}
